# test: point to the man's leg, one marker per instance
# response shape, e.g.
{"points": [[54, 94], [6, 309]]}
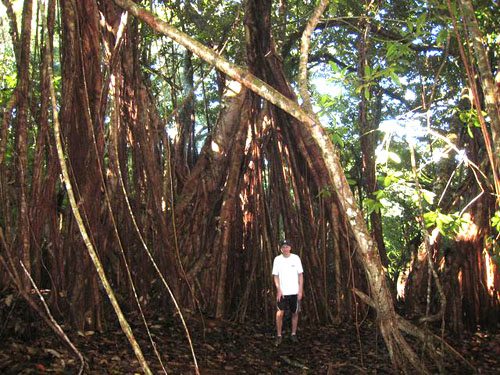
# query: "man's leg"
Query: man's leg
{"points": [[295, 315], [279, 326], [295, 322], [279, 321]]}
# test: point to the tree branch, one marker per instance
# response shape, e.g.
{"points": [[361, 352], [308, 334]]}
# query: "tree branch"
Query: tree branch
{"points": [[305, 42], [350, 23], [213, 58]]}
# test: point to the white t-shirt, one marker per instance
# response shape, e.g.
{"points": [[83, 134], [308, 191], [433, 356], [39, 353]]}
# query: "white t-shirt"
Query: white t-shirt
{"points": [[288, 270]]}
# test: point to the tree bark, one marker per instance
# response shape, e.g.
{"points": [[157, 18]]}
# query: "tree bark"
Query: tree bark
{"points": [[490, 90], [82, 123], [305, 42], [43, 198], [85, 236], [23, 92], [367, 128], [184, 143], [229, 206], [493, 95]]}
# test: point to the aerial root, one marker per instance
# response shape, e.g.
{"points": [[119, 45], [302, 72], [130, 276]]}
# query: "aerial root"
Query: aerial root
{"points": [[401, 353], [432, 341], [403, 356]]}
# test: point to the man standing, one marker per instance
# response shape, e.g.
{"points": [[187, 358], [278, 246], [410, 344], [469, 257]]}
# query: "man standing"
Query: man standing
{"points": [[289, 281]]}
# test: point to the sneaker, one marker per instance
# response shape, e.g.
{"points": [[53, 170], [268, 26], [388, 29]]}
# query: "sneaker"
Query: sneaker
{"points": [[294, 338], [278, 340]]}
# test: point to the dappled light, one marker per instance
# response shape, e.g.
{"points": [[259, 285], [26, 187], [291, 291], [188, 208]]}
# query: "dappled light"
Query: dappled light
{"points": [[249, 187]]}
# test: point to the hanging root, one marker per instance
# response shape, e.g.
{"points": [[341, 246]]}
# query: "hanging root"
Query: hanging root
{"points": [[402, 355], [49, 318], [433, 341]]}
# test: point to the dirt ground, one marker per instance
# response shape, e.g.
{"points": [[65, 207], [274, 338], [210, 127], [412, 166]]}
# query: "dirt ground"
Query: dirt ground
{"points": [[225, 347]]}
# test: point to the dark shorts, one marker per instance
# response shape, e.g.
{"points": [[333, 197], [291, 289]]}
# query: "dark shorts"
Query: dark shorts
{"points": [[290, 303]]}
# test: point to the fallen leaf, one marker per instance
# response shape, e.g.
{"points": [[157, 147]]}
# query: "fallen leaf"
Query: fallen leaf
{"points": [[53, 352], [40, 367], [8, 300]]}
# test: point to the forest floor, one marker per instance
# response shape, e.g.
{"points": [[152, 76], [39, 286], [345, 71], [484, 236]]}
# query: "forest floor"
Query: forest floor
{"points": [[222, 347]]}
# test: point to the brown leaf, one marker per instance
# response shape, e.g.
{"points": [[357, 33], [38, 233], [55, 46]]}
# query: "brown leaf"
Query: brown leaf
{"points": [[40, 367]]}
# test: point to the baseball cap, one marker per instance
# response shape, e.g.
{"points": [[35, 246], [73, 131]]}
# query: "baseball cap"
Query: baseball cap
{"points": [[285, 242]]}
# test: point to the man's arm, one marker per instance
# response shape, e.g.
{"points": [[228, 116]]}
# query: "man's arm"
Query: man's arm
{"points": [[301, 286], [278, 288]]}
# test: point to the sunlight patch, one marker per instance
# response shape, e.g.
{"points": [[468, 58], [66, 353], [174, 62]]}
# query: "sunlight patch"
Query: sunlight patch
{"points": [[233, 88], [215, 147], [490, 274]]}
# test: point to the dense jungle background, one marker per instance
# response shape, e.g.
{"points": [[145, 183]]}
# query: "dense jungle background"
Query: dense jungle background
{"points": [[153, 154]]}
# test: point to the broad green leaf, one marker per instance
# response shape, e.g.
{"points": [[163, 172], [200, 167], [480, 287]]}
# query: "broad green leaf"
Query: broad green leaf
{"points": [[392, 51], [421, 22], [495, 221], [379, 194], [428, 196], [441, 37], [334, 66], [351, 182], [430, 218], [367, 94], [387, 181], [395, 78], [372, 205], [337, 139], [445, 219]]}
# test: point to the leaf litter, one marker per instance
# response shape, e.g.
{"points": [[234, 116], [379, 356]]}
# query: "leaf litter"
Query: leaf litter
{"points": [[226, 347]]}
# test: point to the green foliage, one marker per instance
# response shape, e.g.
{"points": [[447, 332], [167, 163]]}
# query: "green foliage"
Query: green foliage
{"points": [[448, 224], [336, 137], [428, 196], [390, 177], [8, 71], [372, 205], [403, 59], [471, 119], [495, 221]]}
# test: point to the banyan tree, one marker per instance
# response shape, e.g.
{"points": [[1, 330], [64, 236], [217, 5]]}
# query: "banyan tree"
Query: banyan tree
{"points": [[114, 201]]}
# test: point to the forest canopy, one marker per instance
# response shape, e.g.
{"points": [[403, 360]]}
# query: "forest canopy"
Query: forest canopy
{"points": [[153, 154]]}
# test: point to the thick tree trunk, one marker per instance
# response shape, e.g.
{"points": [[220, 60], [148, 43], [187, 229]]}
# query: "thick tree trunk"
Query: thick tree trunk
{"points": [[453, 262], [490, 90], [416, 284], [22, 92], [43, 198], [229, 206], [469, 277], [368, 133], [85, 235], [201, 196], [82, 121]]}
